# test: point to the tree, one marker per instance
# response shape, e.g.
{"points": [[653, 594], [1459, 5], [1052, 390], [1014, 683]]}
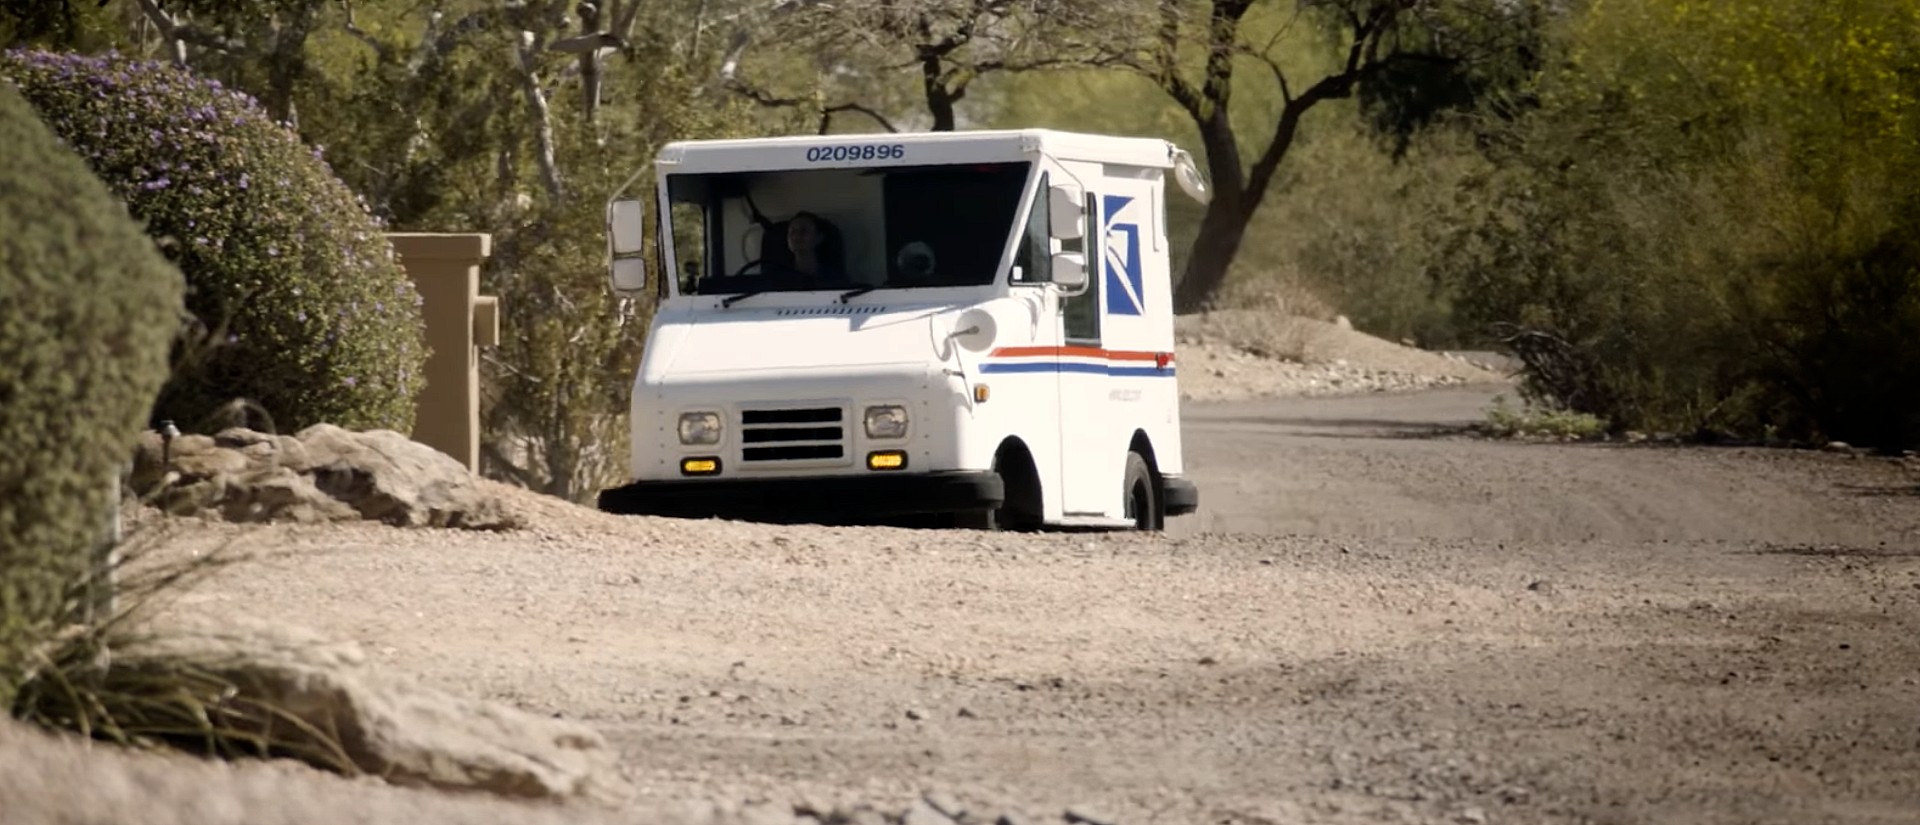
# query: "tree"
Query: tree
{"points": [[1372, 38], [858, 49]]}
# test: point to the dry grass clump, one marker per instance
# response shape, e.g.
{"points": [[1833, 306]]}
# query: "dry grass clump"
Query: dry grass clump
{"points": [[75, 681]]}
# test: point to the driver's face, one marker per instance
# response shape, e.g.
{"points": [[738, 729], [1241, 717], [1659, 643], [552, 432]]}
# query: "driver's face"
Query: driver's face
{"points": [[802, 235]]}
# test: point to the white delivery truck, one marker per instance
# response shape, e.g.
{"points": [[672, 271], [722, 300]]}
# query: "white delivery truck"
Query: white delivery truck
{"points": [[971, 326]]}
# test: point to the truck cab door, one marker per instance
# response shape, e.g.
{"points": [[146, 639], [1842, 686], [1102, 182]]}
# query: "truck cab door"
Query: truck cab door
{"points": [[1086, 489]]}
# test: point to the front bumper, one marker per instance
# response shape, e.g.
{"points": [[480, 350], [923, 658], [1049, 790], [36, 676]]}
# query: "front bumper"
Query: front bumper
{"points": [[813, 499], [1180, 496]]}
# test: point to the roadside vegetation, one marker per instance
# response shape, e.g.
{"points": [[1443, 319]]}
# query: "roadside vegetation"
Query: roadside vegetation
{"points": [[1506, 420], [93, 307]]}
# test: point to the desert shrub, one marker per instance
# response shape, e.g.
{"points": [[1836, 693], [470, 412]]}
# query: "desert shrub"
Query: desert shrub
{"points": [[1506, 420], [300, 308], [90, 308], [1707, 224]]}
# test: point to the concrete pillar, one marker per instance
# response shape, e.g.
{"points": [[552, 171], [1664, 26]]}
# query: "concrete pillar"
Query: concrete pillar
{"points": [[445, 268]]}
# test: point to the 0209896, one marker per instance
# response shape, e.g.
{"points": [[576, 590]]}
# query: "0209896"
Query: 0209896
{"points": [[869, 151]]}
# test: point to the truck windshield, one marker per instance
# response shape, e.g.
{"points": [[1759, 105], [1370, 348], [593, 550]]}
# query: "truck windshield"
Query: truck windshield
{"points": [[842, 229]]}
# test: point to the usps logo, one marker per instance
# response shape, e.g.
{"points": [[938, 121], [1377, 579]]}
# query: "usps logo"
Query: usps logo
{"points": [[1125, 290]]}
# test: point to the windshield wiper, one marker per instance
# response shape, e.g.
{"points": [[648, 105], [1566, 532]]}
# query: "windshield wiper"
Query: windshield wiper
{"points": [[854, 293], [730, 300]]}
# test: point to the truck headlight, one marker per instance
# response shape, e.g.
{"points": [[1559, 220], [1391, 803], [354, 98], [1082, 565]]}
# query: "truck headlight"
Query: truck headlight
{"points": [[700, 428], [886, 422]]}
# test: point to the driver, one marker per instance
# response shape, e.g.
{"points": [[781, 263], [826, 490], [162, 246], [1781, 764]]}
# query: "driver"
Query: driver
{"points": [[806, 239]]}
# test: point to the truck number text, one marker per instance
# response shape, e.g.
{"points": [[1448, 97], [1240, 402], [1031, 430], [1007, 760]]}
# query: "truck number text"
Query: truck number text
{"points": [[866, 152]]}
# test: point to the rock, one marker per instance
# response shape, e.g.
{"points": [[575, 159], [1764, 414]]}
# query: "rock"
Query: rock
{"points": [[1088, 816], [1838, 447], [865, 816], [1472, 816], [914, 714], [1342, 322], [946, 805], [925, 813], [324, 473], [391, 478], [408, 734]]}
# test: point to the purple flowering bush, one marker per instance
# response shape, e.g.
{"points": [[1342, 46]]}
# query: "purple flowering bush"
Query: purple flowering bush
{"points": [[298, 305]]}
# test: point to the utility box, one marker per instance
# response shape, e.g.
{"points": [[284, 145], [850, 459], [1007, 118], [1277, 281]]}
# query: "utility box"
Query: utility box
{"points": [[445, 269]]}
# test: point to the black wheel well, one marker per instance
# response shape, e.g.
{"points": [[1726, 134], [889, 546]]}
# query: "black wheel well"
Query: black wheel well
{"points": [[1021, 474], [1144, 446]]}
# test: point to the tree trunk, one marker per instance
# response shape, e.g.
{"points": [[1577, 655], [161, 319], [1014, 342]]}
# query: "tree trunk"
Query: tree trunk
{"points": [[1222, 230], [940, 99], [287, 63], [1224, 225]]}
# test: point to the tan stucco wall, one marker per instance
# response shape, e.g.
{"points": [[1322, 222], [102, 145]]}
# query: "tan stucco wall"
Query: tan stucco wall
{"points": [[445, 268]]}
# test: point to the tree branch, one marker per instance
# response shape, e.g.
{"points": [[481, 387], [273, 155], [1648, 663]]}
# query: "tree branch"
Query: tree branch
{"points": [[527, 47], [1167, 73], [881, 119], [1357, 65], [178, 34], [352, 27]]}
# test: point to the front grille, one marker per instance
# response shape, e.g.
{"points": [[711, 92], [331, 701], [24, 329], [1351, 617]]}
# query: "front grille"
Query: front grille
{"points": [[792, 434]]}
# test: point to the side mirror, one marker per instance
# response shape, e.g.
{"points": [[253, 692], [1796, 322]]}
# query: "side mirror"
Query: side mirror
{"points": [[1070, 271], [1065, 212], [629, 275], [626, 223], [1188, 176], [626, 238]]}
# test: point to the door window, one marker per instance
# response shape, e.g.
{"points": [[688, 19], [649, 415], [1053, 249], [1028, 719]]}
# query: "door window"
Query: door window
{"points": [[1082, 312], [1035, 254]]}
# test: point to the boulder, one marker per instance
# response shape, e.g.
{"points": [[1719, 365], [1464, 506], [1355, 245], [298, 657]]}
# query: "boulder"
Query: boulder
{"points": [[385, 725], [323, 473]]}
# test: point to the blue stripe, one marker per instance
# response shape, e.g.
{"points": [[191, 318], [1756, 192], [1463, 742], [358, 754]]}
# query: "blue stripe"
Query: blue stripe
{"points": [[1071, 366]]}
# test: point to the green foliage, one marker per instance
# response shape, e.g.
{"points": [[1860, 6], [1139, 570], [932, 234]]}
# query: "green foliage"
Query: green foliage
{"points": [[1709, 221], [301, 309], [90, 309], [1506, 421], [65, 24]]}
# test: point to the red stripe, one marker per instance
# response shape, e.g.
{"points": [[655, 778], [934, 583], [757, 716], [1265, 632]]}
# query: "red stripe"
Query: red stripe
{"points": [[1082, 352]]}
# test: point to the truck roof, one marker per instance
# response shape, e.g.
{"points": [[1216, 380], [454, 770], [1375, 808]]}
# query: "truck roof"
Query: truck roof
{"points": [[965, 146]]}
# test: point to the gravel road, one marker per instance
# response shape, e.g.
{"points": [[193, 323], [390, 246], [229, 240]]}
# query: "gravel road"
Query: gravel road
{"points": [[1374, 619]]}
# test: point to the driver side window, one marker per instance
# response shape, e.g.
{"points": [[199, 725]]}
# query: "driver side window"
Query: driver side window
{"points": [[689, 243], [1036, 243]]}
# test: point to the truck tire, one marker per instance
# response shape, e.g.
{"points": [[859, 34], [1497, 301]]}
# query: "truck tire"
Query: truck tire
{"points": [[1142, 495]]}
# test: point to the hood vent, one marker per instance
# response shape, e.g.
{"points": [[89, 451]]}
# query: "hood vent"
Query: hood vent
{"points": [[806, 312]]}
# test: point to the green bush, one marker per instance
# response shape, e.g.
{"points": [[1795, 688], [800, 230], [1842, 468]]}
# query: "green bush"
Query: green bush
{"points": [[90, 308], [1528, 421], [1708, 223], [300, 307]]}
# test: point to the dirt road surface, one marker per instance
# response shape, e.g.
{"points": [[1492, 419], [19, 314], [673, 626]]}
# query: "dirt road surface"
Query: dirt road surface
{"points": [[1374, 619]]}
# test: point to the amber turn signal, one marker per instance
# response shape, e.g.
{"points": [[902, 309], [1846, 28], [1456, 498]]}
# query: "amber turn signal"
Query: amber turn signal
{"points": [[887, 460]]}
